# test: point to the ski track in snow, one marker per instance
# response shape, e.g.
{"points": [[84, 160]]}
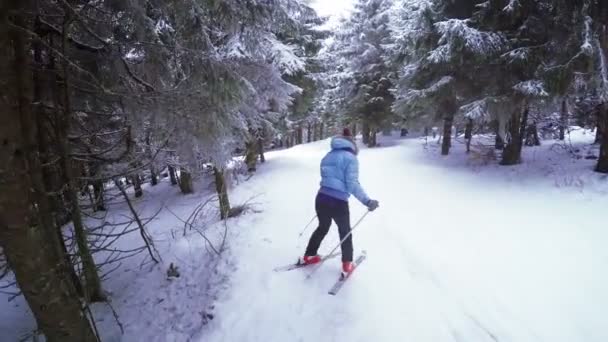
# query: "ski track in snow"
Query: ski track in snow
{"points": [[452, 256]]}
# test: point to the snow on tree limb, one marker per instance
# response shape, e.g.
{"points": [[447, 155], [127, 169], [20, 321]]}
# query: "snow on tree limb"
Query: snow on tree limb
{"points": [[533, 88], [476, 110], [456, 35]]}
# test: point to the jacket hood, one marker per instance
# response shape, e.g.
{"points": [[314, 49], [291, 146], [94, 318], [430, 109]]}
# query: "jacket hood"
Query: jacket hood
{"points": [[342, 143]]}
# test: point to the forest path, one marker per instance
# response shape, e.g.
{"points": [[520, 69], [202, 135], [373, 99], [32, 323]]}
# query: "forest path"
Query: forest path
{"points": [[451, 257]]}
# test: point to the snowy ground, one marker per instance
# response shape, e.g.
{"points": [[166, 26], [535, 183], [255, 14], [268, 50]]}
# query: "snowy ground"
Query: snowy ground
{"points": [[456, 252]]}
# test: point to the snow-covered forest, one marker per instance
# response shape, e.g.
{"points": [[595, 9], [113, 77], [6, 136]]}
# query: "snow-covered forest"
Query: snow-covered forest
{"points": [[160, 159]]}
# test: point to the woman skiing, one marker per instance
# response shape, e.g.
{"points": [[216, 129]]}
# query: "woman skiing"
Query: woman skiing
{"points": [[339, 180]]}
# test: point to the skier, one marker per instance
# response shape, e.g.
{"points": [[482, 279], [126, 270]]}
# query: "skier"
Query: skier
{"points": [[339, 179]]}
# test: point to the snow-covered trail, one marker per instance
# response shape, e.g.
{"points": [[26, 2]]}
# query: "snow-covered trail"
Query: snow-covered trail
{"points": [[452, 257]]}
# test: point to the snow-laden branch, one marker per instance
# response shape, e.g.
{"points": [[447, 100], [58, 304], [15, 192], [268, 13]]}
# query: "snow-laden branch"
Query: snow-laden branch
{"points": [[476, 110], [534, 88], [456, 36]]}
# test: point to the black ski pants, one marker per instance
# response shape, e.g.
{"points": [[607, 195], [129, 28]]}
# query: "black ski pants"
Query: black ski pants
{"points": [[328, 209]]}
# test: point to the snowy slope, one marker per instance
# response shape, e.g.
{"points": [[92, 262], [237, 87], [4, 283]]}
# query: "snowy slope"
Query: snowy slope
{"points": [[453, 256], [456, 252]]}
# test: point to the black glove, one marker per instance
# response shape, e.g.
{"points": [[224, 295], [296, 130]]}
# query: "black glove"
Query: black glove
{"points": [[372, 205]]}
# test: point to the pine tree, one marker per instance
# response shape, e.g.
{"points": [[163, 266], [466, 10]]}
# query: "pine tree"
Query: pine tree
{"points": [[367, 82]]}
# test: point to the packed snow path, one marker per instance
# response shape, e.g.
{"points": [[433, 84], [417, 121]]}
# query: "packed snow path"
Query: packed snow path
{"points": [[452, 256]]}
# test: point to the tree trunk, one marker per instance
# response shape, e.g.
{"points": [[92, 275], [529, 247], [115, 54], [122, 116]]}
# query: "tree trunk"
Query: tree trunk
{"points": [[251, 156], [366, 133], [468, 134], [512, 152], [602, 163], [153, 176], [26, 238], [185, 182], [92, 286], [447, 134], [98, 195], [353, 130], [172, 175], [53, 215], [150, 157], [321, 131], [261, 150], [315, 133], [222, 193], [136, 179], [299, 135], [309, 133], [563, 120], [373, 139]]}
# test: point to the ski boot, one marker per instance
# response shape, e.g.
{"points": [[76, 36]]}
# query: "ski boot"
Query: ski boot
{"points": [[309, 260], [347, 268]]}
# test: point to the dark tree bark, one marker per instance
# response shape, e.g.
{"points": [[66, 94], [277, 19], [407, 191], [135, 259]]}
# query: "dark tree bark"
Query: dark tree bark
{"points": [[315, 131], [299, 135], [261, 150], [185, 182], [404, 132], [222, 193], [602, 163], [153, 176], [353, 129], [309, 133], [136, 179], [92, 286], [53, 214], [366, 133], [512, 152], [563, 120], [446, 143], [24, 236], [172, 175], [251, 156], [468, 134], [98, 194], [321, 131], [598, 134], [373, 139]]}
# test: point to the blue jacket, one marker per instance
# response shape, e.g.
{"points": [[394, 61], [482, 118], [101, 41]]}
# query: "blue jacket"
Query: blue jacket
{"points": [[340, 172]]}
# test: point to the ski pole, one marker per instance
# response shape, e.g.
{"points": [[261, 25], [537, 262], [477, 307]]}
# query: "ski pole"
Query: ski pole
{"points": [[339, 244], [307, 225]]}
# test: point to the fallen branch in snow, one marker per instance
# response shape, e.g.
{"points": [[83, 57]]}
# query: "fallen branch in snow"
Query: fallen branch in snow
{"points": [[115, 314], [144, 235]]}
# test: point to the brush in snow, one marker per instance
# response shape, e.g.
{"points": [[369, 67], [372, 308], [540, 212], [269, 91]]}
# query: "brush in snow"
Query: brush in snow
{"points": [[299, 264], [345, 276]]}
